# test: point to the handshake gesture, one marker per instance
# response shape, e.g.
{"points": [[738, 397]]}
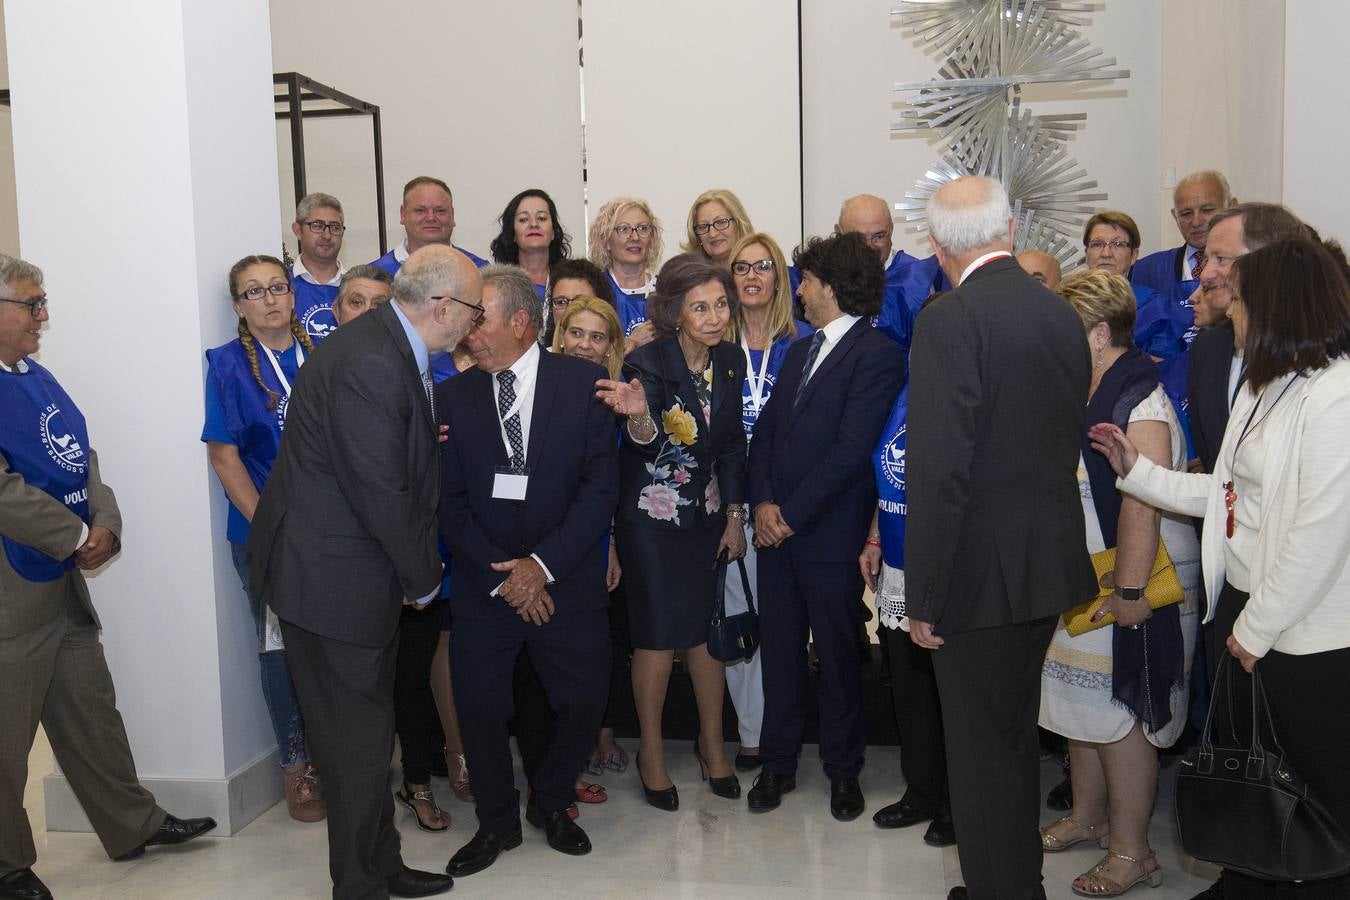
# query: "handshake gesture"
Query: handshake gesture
{"points": [[523, 589]]}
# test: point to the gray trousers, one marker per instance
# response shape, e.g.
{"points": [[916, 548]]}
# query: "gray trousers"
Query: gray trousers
{"points": [[56, 674]]}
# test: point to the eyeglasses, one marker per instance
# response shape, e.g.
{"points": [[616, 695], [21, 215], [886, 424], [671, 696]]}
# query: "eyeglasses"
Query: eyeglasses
{"points": [[35, 306], [721, 224], [640, 230], [741, 267], [563, 302], [318, 226], [1099, 246], [479, 311], [276, 289]]}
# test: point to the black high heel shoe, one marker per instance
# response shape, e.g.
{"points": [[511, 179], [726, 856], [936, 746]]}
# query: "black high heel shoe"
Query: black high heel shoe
{"points": [[666, 798], [728, 787]]}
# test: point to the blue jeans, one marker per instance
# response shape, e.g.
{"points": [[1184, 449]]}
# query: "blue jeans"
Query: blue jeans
{"points": [[278, 692]]}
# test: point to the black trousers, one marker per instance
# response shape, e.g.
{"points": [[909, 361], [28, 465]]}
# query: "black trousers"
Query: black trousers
{"points": [[415, 715], [346, 694], [1308, 697], [570, 655], [798, 597], [989, 681], [918, 719]]}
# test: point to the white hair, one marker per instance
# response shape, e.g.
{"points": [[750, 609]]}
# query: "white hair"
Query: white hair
{"points": [[960, 225]]}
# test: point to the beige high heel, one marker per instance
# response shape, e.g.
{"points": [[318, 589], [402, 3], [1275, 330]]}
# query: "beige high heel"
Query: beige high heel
{"points": [[459, 776], [1052, 843], [1096, 884]]}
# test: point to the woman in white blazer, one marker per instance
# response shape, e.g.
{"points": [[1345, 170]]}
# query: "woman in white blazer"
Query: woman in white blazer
{"points": [[1277, 516]]}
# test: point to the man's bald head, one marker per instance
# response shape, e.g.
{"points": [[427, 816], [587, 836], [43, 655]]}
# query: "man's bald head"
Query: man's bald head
{"points": [[1196, 199], [1041, 266], [870, 216]]}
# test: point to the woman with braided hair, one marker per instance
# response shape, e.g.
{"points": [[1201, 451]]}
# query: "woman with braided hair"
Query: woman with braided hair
{"points": [[248, 383]]}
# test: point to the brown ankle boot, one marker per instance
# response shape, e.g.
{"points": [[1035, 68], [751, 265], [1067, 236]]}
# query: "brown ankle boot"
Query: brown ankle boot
{"points": [[302, 793]]}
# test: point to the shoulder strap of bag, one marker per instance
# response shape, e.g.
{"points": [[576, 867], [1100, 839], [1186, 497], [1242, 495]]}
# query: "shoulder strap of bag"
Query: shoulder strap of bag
{"points": [[745, 583], [719, 591]]}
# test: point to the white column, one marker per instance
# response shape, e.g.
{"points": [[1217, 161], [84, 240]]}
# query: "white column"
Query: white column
{"points": [[145, 161], [1316, 128]]}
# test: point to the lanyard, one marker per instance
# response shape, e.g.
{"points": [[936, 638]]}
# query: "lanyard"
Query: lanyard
{"points": [[756, 386], [276, 366]]}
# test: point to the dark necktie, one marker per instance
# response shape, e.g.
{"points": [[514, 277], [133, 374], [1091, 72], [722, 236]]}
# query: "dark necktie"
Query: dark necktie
{"points": [[506, 397], [1197, 264], [816, 342], [430, 387]]}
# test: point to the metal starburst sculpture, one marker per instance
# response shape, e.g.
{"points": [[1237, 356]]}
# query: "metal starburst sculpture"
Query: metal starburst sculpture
{"points": [[992, 48]]}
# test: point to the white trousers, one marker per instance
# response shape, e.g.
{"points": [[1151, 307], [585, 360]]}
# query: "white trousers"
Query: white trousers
{"points": [[744, 681]]}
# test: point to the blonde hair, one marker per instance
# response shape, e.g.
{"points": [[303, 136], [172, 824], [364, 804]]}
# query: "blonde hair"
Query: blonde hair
{"points": [[1101, 296], [781, 323], [734, 207], [613, 358], [603, 227]]}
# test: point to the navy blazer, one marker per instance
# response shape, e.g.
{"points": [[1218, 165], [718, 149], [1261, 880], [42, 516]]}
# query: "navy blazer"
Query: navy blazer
{"points": [[815, 461], [719, 445], [565, 516]]}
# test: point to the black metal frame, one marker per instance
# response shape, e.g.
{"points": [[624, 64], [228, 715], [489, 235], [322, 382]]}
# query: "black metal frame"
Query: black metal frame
{"points": [[299, 90]]}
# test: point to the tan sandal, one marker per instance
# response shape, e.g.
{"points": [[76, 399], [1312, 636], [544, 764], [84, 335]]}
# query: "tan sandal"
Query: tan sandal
{"points": [[1053, 843], [1094, 882], [459, 776]]}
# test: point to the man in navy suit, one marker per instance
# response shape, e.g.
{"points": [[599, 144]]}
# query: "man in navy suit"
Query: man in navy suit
{"points": [[529, 484], [812, 491]]}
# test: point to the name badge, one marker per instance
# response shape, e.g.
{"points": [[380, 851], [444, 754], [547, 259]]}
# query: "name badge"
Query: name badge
{"points": [[510, 484]]}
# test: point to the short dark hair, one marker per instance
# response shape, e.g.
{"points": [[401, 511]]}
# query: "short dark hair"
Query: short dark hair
{"points": [[850, 267], [584, 270], [421, 180], [1298, 309], [1264, 223], [680, 275], [504, 248], [1116, 219]]}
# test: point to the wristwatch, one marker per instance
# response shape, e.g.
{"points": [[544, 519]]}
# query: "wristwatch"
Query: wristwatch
{"points": [[1132, 594]]}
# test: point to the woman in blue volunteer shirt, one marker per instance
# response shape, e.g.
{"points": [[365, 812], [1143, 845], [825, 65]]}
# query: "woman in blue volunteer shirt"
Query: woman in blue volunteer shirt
{"points": [[764, 329], [626, 244], [248, 383], [532, 237]]}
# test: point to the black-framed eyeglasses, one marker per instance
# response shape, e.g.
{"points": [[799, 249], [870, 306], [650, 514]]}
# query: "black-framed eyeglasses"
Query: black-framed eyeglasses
{"points": [[479, 311], [319, 226], [741, 267], [35, 306], [255, 293], [561, 303], [1099, 246], [721, 224], [640, 230]]}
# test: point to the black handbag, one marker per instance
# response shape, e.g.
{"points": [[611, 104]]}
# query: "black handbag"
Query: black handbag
{"points": [[732, 638], [1244, 808]]}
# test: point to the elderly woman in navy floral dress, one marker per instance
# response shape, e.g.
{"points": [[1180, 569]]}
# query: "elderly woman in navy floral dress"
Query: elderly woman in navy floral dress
{"points": [[682, 474]]}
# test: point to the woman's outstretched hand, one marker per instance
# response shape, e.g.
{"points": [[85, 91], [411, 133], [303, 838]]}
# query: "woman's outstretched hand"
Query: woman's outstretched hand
{"points": [[1111, 442]]}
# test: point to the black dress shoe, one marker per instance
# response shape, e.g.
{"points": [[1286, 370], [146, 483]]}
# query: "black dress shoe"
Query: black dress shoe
{"points": [[22, 884], [1061, 795], [768, 790], [727, 787], [941, 832], [846, 798], [958, 893], [748, 763], [172, 831], [562, 833], [900, 814], [416, 883], [664, 798], [481, 852]]}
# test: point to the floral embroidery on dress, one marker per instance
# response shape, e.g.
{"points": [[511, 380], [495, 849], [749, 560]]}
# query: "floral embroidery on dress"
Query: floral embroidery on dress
{"points": [[661, 499]]}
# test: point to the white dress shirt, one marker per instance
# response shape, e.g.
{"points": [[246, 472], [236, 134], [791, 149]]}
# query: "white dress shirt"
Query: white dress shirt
{"points": [[301, 272], [526, 370], [834, 333]]}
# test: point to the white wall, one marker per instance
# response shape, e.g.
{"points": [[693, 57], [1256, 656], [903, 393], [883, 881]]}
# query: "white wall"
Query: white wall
{"points": [[143, 148], [1222, 103], [1316, 127], [676, 104], [485, 96], [853, 53]]}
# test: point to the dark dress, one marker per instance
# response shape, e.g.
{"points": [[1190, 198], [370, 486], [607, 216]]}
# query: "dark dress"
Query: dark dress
{"points": [[672, 491]]}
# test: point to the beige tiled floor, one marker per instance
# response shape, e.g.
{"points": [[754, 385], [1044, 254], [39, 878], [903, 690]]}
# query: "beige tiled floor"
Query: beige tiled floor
{"points": [[711, 848]]}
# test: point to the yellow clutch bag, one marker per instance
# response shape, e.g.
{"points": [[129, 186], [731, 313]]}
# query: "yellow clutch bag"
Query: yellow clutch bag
{"points": [[1163, 589]]}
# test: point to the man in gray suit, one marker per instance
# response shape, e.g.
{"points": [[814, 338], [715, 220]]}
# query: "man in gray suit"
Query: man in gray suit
{"points": [[345, 534], [57, 519]]}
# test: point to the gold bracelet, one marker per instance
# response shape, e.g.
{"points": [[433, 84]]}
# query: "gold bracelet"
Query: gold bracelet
{"points": [[642, 422], [735, 511]]}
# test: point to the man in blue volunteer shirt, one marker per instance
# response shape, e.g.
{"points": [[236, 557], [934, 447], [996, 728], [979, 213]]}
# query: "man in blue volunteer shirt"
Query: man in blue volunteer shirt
{"points": [[1175, 273], [315, 276], [909, 280], [57, 520], [427, 215]]}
